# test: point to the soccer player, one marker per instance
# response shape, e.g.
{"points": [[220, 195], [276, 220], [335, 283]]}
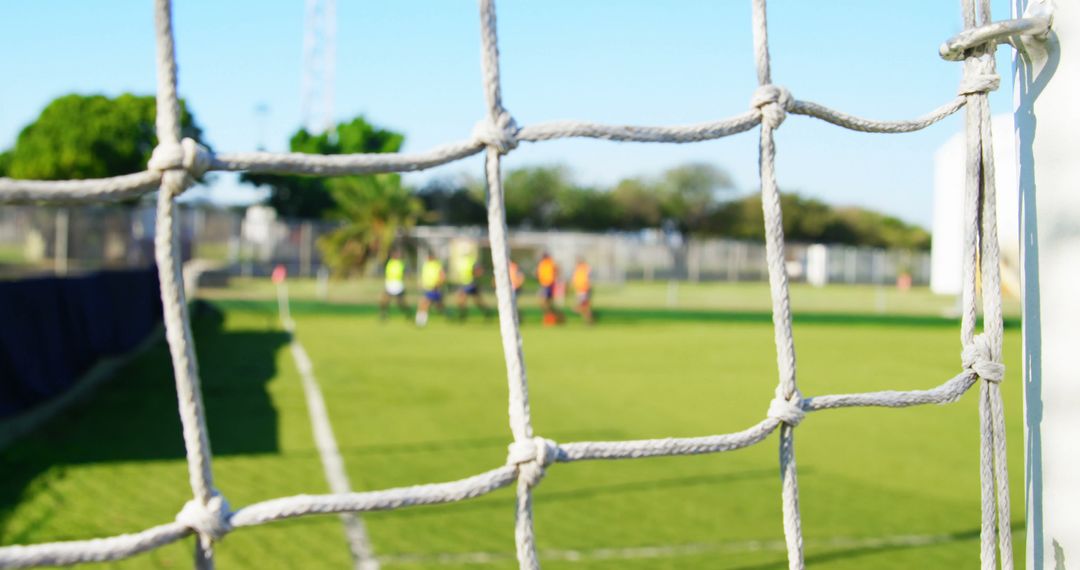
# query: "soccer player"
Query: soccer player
{"points": [[517, 278], [467, 270], [394, 288], [432, 278], [516, 282], [547, 273], [583, 289]]}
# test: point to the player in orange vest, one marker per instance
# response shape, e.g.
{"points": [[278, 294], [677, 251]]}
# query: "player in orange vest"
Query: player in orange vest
{"points": [[517, 281], [517, 277], [583, 288], [547, 273]]}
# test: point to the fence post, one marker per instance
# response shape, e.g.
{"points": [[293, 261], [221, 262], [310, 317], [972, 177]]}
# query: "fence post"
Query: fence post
{"points": [[817, 265], [305, 249], [1047, 78], [60, 251], [732, 260], [849, 264]]}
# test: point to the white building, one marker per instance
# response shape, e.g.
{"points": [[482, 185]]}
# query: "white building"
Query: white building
{"points": [[948, 230]]}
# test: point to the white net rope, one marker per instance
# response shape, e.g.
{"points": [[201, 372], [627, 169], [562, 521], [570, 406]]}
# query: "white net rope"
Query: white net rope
{"points": [[176, 164]]}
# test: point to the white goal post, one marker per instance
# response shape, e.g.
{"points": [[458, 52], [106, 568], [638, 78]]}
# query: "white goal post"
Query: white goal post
{"points": [[1047, 87]]}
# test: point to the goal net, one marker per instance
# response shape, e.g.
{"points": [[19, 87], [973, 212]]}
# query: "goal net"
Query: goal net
{"points": [[176, 164]]}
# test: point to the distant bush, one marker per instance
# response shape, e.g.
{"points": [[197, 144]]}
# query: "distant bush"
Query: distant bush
{"points": [[695, 199], [89, 136]]}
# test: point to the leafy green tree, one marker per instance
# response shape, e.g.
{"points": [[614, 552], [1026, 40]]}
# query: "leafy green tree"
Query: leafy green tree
{"points": [[531, 195], [878, 230], [585, 209], [309, 196], [692, 198], [689, 193], [805, 219], [89, 136], [636, 204], [453, 203], [547, 197], [376, 210], [809, 220]]}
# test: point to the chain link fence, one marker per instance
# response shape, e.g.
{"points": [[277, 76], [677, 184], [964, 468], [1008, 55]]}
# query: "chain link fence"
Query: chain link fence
{"points": [[251, 241]]}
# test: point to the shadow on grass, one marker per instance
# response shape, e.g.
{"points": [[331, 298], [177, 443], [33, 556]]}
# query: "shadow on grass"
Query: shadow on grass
{"points": [[134, 416], [884, 547]]}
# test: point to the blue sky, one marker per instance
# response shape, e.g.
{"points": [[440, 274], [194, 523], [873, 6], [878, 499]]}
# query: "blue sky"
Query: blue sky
{"points": [[413, 66]]}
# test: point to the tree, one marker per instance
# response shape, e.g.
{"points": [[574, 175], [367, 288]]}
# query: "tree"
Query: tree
{"points": [[309, 196], [375, 209], [812, 221], [585, 209], [636, 204], [689, 193], [530, 195], [452, 203], [89, 136]]}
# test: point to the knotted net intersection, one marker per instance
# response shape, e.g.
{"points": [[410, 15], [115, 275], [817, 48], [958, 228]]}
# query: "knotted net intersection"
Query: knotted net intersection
{"points": [[176, 164]]}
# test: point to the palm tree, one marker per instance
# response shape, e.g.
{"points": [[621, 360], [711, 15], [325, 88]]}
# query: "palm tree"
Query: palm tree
{"points": [[376, 209]]}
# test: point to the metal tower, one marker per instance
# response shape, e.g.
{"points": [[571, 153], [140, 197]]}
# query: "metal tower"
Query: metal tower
{"points": [[317, 90]]}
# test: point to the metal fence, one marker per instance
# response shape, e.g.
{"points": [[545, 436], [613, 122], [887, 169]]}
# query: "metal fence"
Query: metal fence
{"points": [[62, 240], [655, 255], [251, 241]]}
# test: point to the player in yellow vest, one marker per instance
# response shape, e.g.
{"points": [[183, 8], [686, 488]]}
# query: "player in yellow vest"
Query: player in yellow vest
{"points": [[432, 278], [547, 273], [583, 288], [394, 287], [467, 271]]}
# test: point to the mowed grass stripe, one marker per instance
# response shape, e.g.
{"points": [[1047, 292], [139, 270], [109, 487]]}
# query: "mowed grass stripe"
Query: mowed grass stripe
{"points": [[413, 406], [624, 315], [679, 379], [719, 296]]}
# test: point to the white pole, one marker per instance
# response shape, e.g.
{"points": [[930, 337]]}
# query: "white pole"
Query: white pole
{"points": [[817, 265], [305, 249], [322, 283], [1047, 80], [60, 252], [283, 306]]}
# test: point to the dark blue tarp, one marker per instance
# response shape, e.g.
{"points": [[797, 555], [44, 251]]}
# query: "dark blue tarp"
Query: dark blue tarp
{"points": [[54, 329]]}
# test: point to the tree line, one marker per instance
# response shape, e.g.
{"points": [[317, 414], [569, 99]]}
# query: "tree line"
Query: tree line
{"points": [[694, 199], [88, 136]]}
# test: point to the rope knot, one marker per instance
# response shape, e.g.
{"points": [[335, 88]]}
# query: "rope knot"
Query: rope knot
{"points": [[979, 76], [531, 456], [787, 410], [500, 133], [977, 358], [188, 155], [210, 520], [774, 102]]}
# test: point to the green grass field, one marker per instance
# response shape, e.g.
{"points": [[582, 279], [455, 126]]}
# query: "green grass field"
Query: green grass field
{"points": [[879, 488], [722, 296]]}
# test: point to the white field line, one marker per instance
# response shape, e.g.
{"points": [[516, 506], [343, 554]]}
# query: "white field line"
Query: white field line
{"points": [[334, 467], [664, 551]]}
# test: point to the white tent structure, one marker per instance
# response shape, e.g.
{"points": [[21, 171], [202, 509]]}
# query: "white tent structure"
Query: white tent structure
{"points": [[948, 230], [1047, 79]]}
